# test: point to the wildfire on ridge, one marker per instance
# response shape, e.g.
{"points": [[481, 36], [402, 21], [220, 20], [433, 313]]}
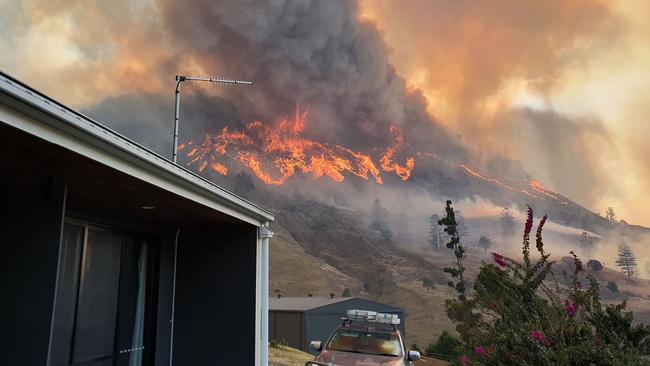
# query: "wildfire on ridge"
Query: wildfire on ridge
{"points": [[275, 153], [536, 186]]}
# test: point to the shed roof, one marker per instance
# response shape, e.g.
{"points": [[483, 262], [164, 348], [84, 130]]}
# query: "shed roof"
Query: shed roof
{"points": [[309, 303], [45, 118]]}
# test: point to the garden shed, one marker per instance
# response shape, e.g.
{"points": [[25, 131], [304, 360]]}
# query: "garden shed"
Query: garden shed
{"points": [[300, 320]]}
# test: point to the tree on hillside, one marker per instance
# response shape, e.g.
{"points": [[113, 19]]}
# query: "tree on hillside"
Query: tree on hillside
{"points": [[485, 243], [586, 240], [243, 185], [507, 222], [379, 222], [435, 232], [610, 215], [463, 228], [451, 228], [594, 265], [626, 260], [346, 292]]}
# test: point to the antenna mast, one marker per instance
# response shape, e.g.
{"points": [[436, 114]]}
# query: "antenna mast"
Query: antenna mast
{"points": [[179, 80]]}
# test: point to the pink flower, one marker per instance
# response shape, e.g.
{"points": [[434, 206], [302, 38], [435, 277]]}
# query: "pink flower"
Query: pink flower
{"points": [[570, 307], [529, 222], [538, 235], [479, 351], [499, 259], [537, 335], [464, 360]]}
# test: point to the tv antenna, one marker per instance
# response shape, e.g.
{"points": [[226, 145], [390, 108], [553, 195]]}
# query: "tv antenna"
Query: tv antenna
{"points": [[179, 80]]}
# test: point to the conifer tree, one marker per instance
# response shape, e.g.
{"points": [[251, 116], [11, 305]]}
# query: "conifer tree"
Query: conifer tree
{"points": [[586, 241], [507, 222], [435, 231], [626, 260], [379, 222], [462, 226], [610, 215]]}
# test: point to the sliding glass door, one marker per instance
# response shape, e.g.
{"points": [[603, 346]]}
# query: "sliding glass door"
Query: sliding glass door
{"points": [[103, 302]]}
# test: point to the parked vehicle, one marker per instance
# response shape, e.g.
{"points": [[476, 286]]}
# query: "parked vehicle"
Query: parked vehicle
{"points": [[364, 338]]}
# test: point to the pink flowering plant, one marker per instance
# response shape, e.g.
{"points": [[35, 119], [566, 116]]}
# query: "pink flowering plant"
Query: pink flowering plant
{"points": [[519, 314]]}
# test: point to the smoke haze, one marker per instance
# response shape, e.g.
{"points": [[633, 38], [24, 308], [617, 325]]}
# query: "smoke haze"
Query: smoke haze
{"points": [[488, 83]]}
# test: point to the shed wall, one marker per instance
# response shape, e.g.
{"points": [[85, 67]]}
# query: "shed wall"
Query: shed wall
{"points": [[287, 326]]}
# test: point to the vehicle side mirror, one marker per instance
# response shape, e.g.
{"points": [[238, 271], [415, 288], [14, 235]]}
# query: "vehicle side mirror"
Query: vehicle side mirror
{"points": [[414, 355], [316, 345]]}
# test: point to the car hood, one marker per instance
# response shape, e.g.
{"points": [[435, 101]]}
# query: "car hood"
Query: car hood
{"points": [[357, 359]]}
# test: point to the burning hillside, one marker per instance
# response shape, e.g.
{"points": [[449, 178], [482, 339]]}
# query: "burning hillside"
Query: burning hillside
{"points": [[276, 152]]}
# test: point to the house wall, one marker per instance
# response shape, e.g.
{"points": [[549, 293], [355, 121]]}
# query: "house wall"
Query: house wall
{"points": [[31, 219], [217, 267], [164, 310], [215, 296]]}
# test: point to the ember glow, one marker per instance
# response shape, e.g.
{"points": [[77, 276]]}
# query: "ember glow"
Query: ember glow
{"points": [[276, 152], [537, 190]]}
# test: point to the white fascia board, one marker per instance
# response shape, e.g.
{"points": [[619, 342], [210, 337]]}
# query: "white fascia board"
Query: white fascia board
{"points": [[42, 117]]}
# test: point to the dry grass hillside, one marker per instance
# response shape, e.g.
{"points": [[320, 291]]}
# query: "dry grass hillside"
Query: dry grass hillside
{"points": [[320, 249]]}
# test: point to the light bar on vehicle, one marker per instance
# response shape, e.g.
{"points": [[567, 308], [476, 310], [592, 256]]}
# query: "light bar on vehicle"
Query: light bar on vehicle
{"points": [[373, 316]]}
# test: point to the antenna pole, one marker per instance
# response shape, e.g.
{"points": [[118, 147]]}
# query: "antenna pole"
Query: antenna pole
{"points": [[177, 105], [177, 114]]}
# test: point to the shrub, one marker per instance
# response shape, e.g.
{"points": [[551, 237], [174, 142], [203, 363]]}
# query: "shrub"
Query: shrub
{"points": [[447, 347], [594, 265], [612, 286], [518, 314], [277, 343]]}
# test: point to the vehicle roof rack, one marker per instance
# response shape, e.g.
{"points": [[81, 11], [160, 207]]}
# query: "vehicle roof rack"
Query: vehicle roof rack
{"points": [[368, 316]]}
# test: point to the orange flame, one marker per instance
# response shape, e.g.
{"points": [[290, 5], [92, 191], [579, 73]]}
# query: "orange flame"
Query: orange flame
{"points": [[389, 165], [275, 153], [536, 186], [543, 190]]}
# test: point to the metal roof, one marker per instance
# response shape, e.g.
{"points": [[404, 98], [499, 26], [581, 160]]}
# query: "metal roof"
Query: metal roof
{"points": [[58, 124], [310, 303]]}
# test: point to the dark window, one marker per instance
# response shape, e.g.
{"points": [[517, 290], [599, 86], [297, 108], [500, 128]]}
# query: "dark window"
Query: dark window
{"points": [[103, 307]]}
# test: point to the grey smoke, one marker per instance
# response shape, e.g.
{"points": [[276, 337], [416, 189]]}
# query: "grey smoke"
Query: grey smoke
{"points": [[319, 54], [314, 54]]}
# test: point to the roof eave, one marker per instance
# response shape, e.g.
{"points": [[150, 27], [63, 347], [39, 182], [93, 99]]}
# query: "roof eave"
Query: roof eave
{"points": [[119, 152]]}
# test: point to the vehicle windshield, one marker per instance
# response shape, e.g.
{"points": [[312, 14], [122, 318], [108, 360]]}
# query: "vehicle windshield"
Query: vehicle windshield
{"points": [[366, 342]]}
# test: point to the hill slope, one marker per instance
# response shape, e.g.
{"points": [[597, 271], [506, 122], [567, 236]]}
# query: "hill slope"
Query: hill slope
{"points": [[320, 249]]}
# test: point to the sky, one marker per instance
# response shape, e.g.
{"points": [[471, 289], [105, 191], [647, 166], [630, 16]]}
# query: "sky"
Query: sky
{"points": [[558, 87]]}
